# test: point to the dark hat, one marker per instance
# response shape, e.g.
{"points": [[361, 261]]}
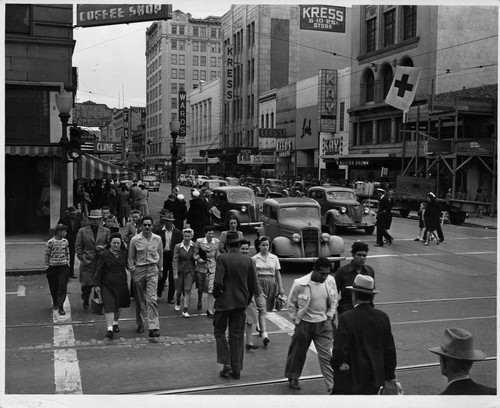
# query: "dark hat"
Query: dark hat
{"points": [[166, 215], [458, 344], [363, 284], [207, 192], [431, 195], [71, 209], [172, 196], [95, 214], [232, 237], [61, 227]]}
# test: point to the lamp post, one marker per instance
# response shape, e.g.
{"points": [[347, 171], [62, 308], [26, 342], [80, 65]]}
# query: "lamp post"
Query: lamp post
{"points": [[64, 102], [174, 132]]}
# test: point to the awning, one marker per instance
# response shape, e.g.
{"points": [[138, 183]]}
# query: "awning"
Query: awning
{"points": [[89, 167], [33, 151]]}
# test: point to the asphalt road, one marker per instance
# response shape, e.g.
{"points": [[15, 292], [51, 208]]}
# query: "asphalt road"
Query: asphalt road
{"points": [[423, 289]]}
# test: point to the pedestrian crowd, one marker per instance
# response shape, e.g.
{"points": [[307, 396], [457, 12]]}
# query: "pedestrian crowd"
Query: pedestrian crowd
{"points": [[336, 311]]}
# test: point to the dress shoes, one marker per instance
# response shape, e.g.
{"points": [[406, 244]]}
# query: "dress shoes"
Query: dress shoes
{"points": [[61, 311], [109, 334], [379, 245], [226, 371], [199, 306], [55, 307], [251, 347], [294, 383], [140, 328], [210, 315], [154, 333], [116, 329], [177, 306], [186, 315], [235, 375], [389, 241], [266, 341], [73, 276], [85, 305]]}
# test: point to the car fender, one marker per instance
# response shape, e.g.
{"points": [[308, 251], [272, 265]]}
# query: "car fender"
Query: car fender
{"points": [[370, 218], [284, 248], [334, 214], [336, 245]]}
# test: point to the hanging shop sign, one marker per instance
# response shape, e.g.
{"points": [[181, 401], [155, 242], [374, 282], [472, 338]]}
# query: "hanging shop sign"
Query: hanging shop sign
{"points": [[327, 104], [322, 18], [182, 113], [90, 15], [228, 68]]}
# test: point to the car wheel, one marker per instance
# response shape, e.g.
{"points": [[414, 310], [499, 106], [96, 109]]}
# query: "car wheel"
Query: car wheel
{"points": [[369, 230], [268, 193], [333, 229]]}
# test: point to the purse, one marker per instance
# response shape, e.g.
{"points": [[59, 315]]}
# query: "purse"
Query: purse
{"points": [[96, 305], [280, 302], [391, 387]]}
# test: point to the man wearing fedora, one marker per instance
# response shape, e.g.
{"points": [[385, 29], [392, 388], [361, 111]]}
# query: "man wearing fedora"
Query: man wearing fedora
{"points": [[364, 354], [72, 221], [234, 286], [456, 356], [89, 241], [170, 237], [384, 219]]}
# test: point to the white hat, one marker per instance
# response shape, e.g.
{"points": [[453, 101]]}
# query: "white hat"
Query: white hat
{"points": [[180, 197], [195, 193]]}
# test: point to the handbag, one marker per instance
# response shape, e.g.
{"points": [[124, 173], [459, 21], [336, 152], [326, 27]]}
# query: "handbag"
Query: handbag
{"points": [[96, 305], [280, 302], [391, 387]]}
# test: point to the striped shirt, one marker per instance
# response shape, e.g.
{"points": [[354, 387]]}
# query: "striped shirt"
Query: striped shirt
{"points": [[57, 252]]}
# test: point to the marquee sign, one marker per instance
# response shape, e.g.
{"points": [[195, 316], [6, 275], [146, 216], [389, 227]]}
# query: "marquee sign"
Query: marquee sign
{"points": [[91, 15]]}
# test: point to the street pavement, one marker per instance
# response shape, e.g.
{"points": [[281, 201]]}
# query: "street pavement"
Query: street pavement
{"points": [[423, 290]]}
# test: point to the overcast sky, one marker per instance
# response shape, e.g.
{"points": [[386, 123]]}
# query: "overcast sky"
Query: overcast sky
{"points": [[111, 61]]}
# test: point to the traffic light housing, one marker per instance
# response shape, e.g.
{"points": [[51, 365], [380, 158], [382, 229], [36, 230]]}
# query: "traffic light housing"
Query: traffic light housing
{"points": [[74, 147]]}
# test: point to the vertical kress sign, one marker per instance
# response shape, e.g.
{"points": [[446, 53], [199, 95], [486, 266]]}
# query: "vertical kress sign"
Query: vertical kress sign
{"points": [[228, 67], [182, 113]]}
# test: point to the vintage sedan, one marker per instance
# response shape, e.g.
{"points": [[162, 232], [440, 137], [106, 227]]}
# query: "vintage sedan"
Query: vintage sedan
{"points": [[238, 201], [293, 225], [211, 184], [300, 188], [273, 188], [340, 209], [151, 182]]}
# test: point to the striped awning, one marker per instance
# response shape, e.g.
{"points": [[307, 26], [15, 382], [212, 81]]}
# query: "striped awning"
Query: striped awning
{"points": [[90, 167], [33, 151]]}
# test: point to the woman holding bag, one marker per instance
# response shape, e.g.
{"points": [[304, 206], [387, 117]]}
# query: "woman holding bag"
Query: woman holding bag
{"points": [[110, 281]]}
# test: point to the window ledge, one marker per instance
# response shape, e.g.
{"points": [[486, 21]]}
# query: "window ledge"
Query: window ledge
{"points": [[387, 51]]}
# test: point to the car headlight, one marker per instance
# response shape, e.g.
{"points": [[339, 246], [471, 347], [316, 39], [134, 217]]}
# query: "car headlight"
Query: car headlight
{"points": [[296, 237], [366, 210], [325, 237], [343, 210], [243, 208]]}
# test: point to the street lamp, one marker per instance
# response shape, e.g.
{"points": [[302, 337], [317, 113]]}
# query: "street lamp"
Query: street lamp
{"points": [[174, 132], [64, 103]]}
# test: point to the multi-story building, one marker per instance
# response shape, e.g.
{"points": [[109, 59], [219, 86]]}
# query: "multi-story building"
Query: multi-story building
{"points": [[451, 131], [38, 36], [203, 117], [180, 52], [265, 49]]}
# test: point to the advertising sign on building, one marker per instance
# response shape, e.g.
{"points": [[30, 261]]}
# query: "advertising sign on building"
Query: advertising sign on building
{"points": [[327, 100], [228, 67], [90, 15], [331, 146], [182, 113], [322, 18], [93, 115], [125, 124], [107, 147]]}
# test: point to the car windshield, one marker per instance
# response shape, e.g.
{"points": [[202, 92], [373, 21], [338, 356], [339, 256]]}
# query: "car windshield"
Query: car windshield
{"points": [[276, 182], [240, 196], [150, 178], [298, 212], [341, 195]]}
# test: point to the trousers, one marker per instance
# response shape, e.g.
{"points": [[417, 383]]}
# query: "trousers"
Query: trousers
{"points": [[232, 351], [145, 282], [58, 277], [322, 335]]}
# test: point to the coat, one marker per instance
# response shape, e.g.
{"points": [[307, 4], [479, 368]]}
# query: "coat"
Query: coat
{"points": [[179, 209], [112, 278], [71, 232], [384, 213], [198, 216], [86, 252], [432, 215], [364, 341], [235, 281], [183, 259], [468, 387], [209, 252]]}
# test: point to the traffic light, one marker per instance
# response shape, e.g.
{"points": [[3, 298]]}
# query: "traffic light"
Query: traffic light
{"points": [[75, 143], [203, 153]]}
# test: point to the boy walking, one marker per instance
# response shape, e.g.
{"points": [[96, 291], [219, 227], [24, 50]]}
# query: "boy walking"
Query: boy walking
{"points": [[57, 260]]}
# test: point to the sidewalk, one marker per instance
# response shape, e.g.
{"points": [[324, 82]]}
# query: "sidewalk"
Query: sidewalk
{"points": [[24, 254]]}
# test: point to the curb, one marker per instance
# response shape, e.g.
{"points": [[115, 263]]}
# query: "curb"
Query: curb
{"points": [[24, 272]]}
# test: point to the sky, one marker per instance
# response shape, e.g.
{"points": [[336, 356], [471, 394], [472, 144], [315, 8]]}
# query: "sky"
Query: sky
{"points": [[111, 61]]}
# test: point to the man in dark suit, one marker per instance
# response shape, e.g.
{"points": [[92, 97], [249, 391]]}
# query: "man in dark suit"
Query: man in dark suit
{"points": [[384, 219], [170, 237], [456, 356], [364, 354], [178, 208], [234, 285], [73, 222]]}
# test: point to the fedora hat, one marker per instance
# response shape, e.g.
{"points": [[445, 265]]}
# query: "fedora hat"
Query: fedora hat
{"points": [[232, 237], [166, 215], [71, 209], [363, 284], [95, 214], [195, 193], [207, 192], [458, 344]]}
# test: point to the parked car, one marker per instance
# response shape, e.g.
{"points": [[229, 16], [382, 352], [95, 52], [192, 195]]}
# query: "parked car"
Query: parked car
{"points": [[293, 225], [216, 178], [255, 183], [151, 182], [300, 188], [189, 180], [340, 209], [273, 188], [128, 183], [211, 184], [238, 201], [199, 180], [232, 181]]}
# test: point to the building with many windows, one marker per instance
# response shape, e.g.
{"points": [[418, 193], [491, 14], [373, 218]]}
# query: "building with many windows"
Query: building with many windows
{"points": [[265, 49], [180, 52], [450, 134]]}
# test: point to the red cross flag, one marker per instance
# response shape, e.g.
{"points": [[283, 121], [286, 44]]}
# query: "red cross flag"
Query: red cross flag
{"points": [[403, 87]]}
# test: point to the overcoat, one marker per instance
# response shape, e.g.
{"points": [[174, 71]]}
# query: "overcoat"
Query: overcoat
{"points": [[384, 213], [86, 251], [111, 276]]}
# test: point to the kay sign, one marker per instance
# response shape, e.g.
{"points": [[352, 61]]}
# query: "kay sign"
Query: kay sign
{"points": [[322, 18]]}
